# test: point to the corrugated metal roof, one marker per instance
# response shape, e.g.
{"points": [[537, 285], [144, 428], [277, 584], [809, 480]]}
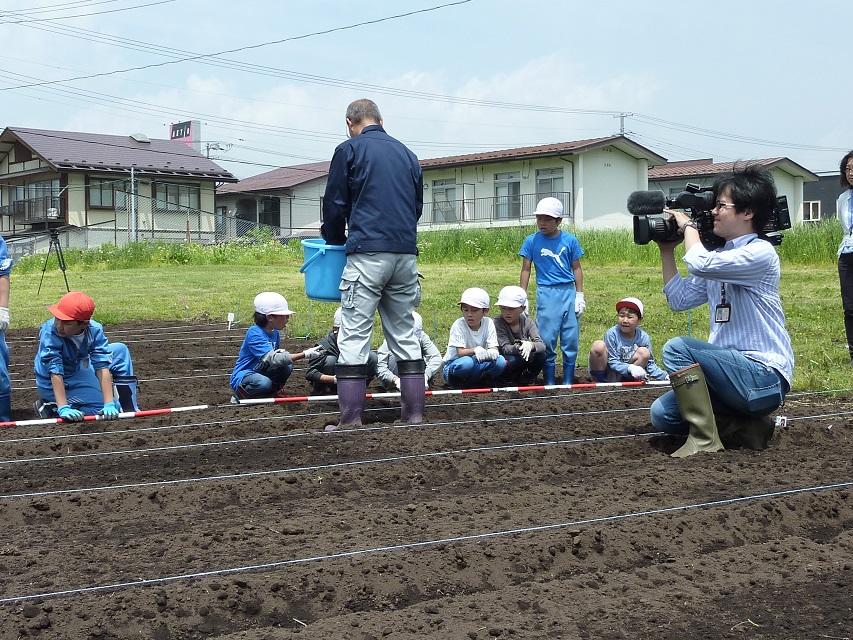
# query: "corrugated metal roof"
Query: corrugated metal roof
{"points": [[298, 174], [77, 151], [706, 167], [280, 178], [554, 149]]}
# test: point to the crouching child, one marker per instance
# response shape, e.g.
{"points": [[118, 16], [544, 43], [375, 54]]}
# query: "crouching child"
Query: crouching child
{"points": [[78, 371], [472, 349], [262, 367], [388, 370], [518, 337]]}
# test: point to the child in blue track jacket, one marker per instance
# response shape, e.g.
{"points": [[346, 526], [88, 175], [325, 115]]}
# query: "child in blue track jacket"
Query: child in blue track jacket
{"points": [[625, 354], [5, 384], [262, 367], [78, 372], [559, 286]]}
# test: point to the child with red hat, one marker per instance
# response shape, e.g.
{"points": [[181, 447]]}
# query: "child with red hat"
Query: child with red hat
{"points": [[625, 354], [78, 372]]}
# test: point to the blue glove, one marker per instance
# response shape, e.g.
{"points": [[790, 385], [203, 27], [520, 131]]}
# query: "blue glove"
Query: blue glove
{"points": [[110, 411], [66, 412]]}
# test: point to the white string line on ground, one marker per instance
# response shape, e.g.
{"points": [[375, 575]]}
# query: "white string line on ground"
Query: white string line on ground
{"points": [[140, 337], [305, 434], [422, 544], [331, 465], [88, 434]]}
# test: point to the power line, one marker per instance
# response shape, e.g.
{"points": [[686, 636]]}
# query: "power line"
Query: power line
{"points": [[54, 7], [245, 47], [81, 15]]}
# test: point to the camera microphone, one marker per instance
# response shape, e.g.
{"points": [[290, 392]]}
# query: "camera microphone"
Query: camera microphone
{"points": [[646, 203]]}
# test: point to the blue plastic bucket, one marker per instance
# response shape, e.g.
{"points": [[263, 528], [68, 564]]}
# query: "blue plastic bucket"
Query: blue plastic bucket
{"points": [[323, 266]]}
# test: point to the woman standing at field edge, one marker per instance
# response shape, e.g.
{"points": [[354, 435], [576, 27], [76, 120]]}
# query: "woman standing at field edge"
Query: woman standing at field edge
{"points": [[844, 209]]}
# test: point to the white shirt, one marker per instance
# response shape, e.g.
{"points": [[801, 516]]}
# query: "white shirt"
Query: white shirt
{"points": [[750, 269], [461, 335]]}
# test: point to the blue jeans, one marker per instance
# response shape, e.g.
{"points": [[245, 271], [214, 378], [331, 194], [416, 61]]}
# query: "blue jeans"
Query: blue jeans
{"points": [[467, 371], [736, 384], [257, 385]]}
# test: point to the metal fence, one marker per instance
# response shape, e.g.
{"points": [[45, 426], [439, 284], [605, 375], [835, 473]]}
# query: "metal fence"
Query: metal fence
{"points": [[497, 210]]}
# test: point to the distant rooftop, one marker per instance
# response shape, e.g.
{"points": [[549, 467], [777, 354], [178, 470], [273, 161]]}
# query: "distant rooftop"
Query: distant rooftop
{"points": [[76, 151], [707, 167]]}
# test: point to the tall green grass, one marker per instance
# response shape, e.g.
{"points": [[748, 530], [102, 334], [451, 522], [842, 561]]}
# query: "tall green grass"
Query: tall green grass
{"points": [[807, 244]]}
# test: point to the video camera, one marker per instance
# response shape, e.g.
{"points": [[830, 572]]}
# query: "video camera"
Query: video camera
{"points": [[650, 224]]}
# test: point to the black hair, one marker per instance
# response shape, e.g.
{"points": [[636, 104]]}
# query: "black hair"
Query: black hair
{"points": [[751, 188], [261, 320], [843, 169]]}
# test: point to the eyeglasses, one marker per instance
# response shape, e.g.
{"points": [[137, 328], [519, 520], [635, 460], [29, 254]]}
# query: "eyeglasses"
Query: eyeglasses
{"points": [[723, 205]]}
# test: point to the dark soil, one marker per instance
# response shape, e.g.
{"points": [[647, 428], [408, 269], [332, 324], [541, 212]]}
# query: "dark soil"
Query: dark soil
{"points": [[615, 566]]}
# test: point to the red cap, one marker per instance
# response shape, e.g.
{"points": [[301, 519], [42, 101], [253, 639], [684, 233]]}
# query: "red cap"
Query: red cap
{"points": [[74, 305]]}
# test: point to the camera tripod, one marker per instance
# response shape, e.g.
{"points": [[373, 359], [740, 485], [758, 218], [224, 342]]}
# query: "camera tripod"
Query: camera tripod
{"points": [[60, 258]]}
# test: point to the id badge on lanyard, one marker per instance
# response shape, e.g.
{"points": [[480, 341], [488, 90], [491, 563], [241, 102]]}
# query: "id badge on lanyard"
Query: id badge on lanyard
{"points": [[723, 311]]}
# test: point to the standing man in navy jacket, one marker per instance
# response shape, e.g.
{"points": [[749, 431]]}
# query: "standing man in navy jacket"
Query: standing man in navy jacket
{"points": [[373, 200]]}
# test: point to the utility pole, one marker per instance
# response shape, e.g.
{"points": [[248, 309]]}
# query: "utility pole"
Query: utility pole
{"points": [[622, 117], [215, 146]]}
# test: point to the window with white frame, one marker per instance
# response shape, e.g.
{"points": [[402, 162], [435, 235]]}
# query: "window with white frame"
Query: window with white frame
{"points": [[508, 194], [811, 211], [549, 183], [444, 200]]}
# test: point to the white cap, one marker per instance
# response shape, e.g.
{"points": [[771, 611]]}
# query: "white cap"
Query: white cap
{"points": [[630, 303], [475, 297], [419, 321], [336, 321], [512, 296], [272, 303], [549, 207]]}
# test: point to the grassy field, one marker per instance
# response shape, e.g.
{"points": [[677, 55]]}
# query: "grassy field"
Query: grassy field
{"points": [[195, 283]]}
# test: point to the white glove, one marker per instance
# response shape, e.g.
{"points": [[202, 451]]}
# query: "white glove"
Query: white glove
{"points": [[312, 351], [397, 383], [637, 372], [481, 354], [525, 349], [580, 303], [426, 380], [4, 319]]}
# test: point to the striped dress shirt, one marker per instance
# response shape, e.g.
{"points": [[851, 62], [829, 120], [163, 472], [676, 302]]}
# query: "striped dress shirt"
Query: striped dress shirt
{"points": [[749, 268]]}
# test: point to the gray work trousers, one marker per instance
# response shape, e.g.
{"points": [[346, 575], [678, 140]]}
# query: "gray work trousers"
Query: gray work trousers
{"points": [[387, 282]]}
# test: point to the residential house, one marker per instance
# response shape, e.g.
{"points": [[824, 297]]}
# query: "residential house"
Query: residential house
{"points": [[286, 199], [819, 197], [789, 177], [119, 188], [592, 178]]}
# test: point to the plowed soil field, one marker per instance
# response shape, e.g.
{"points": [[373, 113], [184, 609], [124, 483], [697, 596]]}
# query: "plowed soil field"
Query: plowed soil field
{"points": [[509, 515]]}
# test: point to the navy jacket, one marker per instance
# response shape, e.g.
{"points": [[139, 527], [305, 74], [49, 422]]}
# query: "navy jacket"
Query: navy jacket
{"points": [[375, 186]]}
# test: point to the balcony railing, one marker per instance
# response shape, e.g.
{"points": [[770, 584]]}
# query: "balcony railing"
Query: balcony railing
{"points": [[497, 210], [33, 210]]}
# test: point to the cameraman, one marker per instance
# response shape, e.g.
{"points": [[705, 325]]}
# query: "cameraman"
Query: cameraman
{"points": [[745, 369]]}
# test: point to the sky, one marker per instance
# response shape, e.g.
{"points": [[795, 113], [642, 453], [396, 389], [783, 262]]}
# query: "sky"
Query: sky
{"points": [[728, 80]]}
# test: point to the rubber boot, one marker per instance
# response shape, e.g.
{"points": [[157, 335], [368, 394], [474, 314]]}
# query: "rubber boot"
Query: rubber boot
{"points": [[352, 385], [750, 432], [412, 387], [691, 392], [568, 375], [549, 373], [126, 388]]}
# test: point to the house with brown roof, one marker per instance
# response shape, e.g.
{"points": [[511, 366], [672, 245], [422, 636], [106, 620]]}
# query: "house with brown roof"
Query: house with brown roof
{"points": [[671, 178], [288, 198], [591, 177], [122, 188]]}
